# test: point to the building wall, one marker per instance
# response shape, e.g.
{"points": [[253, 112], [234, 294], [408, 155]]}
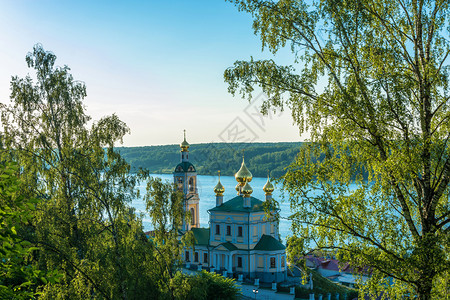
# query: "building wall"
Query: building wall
{"points": [[253, 227]]}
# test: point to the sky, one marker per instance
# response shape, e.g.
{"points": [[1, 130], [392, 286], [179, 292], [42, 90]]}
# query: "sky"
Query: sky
{"points": [[158, 65]]}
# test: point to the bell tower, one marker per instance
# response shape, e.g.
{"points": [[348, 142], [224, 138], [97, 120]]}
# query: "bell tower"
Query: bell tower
{"points": [[185, 179]]}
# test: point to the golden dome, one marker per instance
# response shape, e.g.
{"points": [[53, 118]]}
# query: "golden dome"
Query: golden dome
{"points": [[247, 190], [238, 188], [243, 175], [184, 144], [268, 187], [219, 189]]}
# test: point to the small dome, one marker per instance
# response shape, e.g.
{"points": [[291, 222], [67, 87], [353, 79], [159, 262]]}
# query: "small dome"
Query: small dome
{"points": [[219, 189], [247, 190], [243, 175], [184, 144], [268, 187]]}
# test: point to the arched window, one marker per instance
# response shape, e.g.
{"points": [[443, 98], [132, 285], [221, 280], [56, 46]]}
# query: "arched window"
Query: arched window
{"points": [[180, 183], [191, 184], [192, 216]]}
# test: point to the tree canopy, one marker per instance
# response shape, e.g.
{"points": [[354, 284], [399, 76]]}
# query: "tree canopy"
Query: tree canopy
{"points": [[208, 158], [67, 230], [19, 279], [369, 81], [83, 222]]}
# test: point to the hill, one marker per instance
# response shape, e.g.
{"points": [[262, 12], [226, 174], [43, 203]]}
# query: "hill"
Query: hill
{"points": [[208, 158]]}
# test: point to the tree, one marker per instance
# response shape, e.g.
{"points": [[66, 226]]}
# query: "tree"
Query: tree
{"points": [[165, 205], [83, 222], [206, 285], [19, 279], [373, 92]]}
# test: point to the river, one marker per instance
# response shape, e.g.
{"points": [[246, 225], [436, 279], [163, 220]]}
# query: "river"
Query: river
{"points": [[205, 185]]}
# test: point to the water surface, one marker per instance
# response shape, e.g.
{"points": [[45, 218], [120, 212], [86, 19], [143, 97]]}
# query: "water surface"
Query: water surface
{"points": [[205, 185]]}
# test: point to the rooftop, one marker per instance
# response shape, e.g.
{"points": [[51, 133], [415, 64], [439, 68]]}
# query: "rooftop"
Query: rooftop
{"points": [[269, 243], [236, 204], [185, 166], [201, 236]]}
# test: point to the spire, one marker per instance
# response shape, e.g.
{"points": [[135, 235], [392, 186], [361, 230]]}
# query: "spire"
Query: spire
{"points": [[268, 187], [184, 144], [219, 189]]}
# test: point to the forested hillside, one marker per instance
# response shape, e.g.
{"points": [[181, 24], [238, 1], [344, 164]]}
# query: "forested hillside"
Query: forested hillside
{"points": [[208, 158]]}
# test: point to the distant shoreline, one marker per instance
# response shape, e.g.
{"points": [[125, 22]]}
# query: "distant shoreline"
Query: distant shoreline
{"points": [[208, 158]]}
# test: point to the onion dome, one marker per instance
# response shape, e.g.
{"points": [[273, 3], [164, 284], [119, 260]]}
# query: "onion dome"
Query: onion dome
{"points": [[238, 188], [268, 187], [243, 175], [219, 189], [247, 190], [184, 144]]}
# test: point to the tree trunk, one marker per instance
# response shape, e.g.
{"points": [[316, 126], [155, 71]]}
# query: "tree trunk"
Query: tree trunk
{"points": [[424, 289]]}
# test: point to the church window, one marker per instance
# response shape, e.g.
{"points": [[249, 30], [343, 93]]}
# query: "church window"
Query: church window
{"points": [[196, 257], [260, 261], [191, 184], [240, 231], [205, 257], [192, 216], [239, 262], [282, 261], [272, 262], [186, 255], [217, 229], [228, 230]]}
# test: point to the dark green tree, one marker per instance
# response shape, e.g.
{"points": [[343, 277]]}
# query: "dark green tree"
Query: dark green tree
{"points": [[83, 222], [212, 286], [369, 81]]}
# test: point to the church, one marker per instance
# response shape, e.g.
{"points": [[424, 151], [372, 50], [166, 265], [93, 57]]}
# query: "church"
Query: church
{"points": [[242, 240]]}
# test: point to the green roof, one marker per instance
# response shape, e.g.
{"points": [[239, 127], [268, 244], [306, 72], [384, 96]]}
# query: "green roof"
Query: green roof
{"points": [[229, 246], [269, 243], [184, 166], [201, 236], [237, 205]]}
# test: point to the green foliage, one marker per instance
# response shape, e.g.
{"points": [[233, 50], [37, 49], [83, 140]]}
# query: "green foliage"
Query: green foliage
{"points": [[369, 81], [18, 278], [322, 285], [83, 222], [211, 286], [165, 206], [208, 158]]}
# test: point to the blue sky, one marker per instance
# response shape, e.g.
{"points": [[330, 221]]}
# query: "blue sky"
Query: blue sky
{"points": [[157, 64]]}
